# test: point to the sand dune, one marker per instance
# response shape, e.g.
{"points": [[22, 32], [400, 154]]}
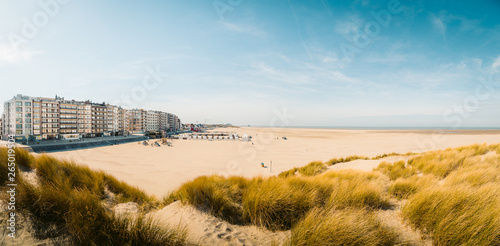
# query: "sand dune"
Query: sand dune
{"points": [[206, 229]]}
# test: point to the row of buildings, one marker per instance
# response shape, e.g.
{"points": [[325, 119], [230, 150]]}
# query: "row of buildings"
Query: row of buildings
{"points": [[39, 118]]}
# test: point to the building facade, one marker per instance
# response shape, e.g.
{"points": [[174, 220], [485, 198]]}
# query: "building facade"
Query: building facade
{"points": [[39, 118]]}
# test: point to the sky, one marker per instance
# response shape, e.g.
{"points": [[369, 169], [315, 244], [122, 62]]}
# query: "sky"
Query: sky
{"points": [[266, 63]]}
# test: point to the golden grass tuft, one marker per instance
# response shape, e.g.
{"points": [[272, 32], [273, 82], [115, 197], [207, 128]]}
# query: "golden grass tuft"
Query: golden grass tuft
{"points": [[126, 192], [396, 170], [345, 159], [276, 204], [218, 195], [23, 161], [403, 188], [457, 215], [313, 168], [341, 227], [465, 208]]}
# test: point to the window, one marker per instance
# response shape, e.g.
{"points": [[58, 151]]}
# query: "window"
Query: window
{"points": [[27, 126], [27, 131], [19, 120], [27, 109], [19, 104], [27, 120], [37, 110], [36, 116], [19, 126], [27, 115], [19, 109], [19, 115], [27, 104], [36, 121], [36, 105], [19, 132]]}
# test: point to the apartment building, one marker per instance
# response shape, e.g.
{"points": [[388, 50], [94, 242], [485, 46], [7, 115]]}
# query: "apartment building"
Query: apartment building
{"points": [[173, 122], [123, 121], [39, 118], [18, 117], [99, 120], [137, 121], [163, 121], [152, 121], [68, 113], [84, 119]]}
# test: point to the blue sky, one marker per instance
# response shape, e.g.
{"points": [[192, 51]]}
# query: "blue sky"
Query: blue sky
{"points": [[325, 63]]}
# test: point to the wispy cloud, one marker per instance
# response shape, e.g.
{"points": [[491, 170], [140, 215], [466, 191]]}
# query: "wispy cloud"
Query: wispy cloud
{"points": [[244, 29], [496, 64], [10, 54], [439, 26], [349, 25]]}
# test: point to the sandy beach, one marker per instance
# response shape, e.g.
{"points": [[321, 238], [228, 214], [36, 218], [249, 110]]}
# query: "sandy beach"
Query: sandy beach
{"points": [[161, 170]]}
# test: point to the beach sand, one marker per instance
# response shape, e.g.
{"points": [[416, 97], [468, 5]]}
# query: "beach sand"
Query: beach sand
{"points": [[159, 170]]}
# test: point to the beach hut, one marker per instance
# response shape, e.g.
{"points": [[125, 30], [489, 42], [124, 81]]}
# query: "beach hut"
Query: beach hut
{"points": [[210, 138], [205, 137], [245, 138]]}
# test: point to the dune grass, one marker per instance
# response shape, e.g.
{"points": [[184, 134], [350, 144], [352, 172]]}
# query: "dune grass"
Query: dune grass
{"points": [[68, 206], [345, 159], [23, 161], [403, 188], [341, 227], [313, 168], [396, 170], [278, 203], [453, 194]]}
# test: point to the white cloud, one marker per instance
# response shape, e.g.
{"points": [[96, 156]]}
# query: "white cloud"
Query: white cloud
{"points": [[496, 64], [244, 29], [10, 54], [439, 25], [347, 28]]}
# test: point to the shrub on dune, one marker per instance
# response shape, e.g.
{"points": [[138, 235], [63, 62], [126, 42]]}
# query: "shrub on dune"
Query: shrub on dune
{"points": [[345, 159], [396, 170], [23, 160], [359, 193], [341, 227], [405, 187], [126, 193], [288, 173], [458, 214], [313, 168], [275, 204], [217, 195], [57, 172]]}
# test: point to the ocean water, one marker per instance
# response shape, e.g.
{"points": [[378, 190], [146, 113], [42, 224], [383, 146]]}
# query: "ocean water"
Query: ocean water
{"points": [[386, 127]]}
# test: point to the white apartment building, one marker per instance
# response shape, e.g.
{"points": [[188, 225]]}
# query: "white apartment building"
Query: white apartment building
{"points": [[152, 121], [18, 118]]}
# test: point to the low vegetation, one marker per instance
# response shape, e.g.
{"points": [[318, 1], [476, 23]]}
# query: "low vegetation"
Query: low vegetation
{"points": [[67, 205], [278, 203], [341, 227], [453, 194]]}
